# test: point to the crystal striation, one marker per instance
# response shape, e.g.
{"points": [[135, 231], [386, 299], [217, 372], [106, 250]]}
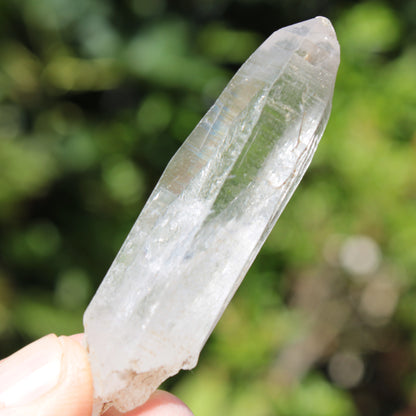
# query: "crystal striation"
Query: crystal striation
{"points": [[209, 214]]}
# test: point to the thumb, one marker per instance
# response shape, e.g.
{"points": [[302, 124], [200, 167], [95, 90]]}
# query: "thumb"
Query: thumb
{"points": [[49, 377]]}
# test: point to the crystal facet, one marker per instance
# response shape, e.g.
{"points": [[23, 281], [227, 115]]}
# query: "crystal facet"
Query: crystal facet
{"points": [[208, 216]]}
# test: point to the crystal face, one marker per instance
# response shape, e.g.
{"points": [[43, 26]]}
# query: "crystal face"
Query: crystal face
{"points": [[209, 214]]}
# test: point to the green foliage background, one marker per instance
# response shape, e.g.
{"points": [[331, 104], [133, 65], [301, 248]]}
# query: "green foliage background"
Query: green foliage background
{"points": [[96, 96]]}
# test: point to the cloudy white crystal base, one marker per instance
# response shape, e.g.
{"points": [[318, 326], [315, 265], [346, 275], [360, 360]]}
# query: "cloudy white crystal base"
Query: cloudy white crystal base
{"points": [[208, 216]]}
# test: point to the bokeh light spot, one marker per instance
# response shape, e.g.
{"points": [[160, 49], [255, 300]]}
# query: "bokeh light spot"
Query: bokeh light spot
{"points": [[346, 369], [360, 255], [72, 289], [123, 181]]}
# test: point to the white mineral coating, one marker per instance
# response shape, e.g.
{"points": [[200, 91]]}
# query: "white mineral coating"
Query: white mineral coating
{"points": [[208, 216]]}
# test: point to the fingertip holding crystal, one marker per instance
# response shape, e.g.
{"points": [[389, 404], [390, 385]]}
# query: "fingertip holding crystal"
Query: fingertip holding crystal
{"points": [[209, 214]]}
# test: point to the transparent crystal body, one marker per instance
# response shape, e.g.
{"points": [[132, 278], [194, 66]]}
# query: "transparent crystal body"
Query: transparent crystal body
{"points": [[209, 214]]}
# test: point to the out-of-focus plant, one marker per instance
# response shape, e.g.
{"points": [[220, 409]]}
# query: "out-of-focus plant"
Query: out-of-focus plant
{"points": [[95, 97]]}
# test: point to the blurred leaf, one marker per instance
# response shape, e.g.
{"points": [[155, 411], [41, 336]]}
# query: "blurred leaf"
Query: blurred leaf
{"points": [[123, 180], [368, 28], [35, 318], [161, 54], [24, 171], [227, 45], [314, 397], [69, 73], [72, 290]]}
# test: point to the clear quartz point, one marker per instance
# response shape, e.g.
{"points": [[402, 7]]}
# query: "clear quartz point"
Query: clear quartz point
{"points": [[208, 216]]}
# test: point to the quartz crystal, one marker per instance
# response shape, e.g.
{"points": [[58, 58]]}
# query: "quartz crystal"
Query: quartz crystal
{"points": [[209, 214]]}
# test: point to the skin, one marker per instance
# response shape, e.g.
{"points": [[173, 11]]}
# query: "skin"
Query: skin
{"points": [[52, 377]]}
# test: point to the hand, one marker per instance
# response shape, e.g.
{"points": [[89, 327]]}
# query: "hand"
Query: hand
{"points": [[52, 377]]}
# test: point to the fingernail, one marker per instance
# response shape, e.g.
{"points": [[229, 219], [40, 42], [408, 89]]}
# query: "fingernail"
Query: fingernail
{"points": [[30, 372]]}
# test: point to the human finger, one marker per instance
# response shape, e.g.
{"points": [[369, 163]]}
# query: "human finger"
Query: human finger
{"points": [[160, 403], [49, 377]]}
